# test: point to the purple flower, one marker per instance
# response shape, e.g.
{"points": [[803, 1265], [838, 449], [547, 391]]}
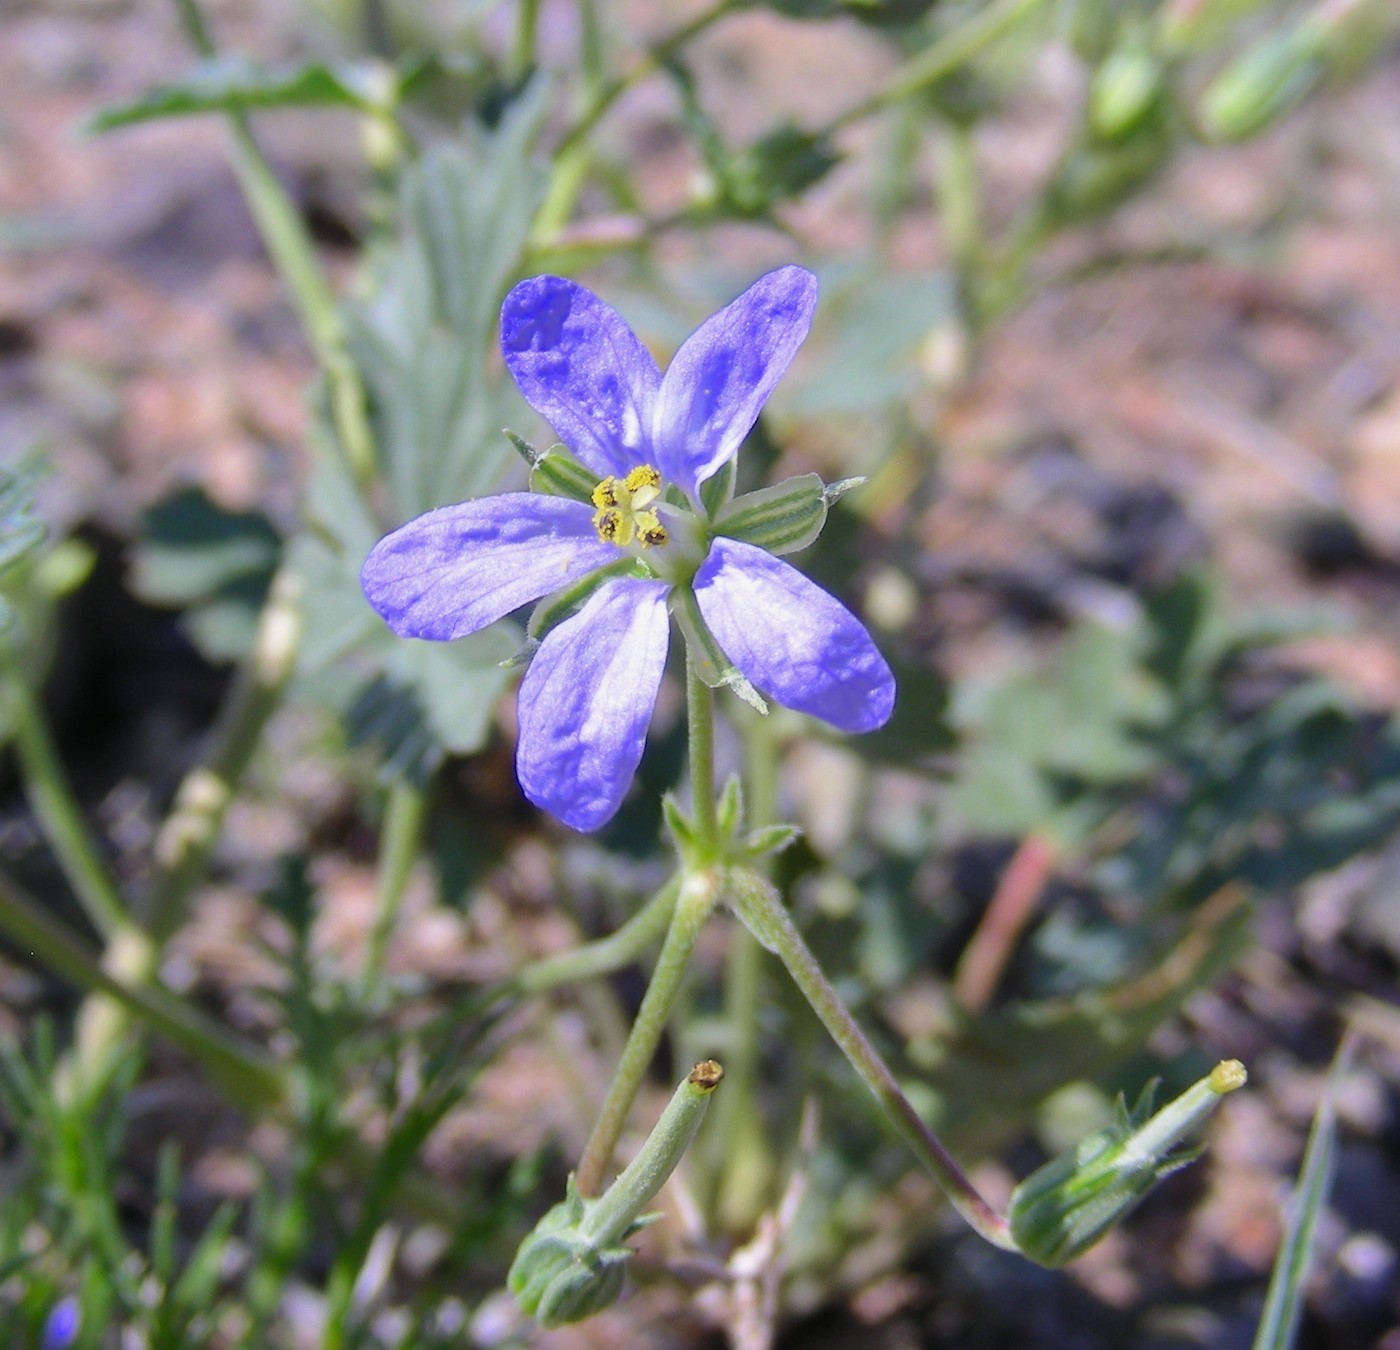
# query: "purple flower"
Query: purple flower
{"points": [[62, 1325], [651, 442]]}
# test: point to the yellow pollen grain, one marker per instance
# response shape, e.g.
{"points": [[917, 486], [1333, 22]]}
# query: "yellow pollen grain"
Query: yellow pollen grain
{"points": [[643, 476], [651, 533], [605, 494]]}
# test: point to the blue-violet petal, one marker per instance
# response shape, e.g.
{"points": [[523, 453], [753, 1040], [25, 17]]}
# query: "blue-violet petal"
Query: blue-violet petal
{"points": [[586, 700], [583, 370], [455, 570], [793, 640], [724, 372]]}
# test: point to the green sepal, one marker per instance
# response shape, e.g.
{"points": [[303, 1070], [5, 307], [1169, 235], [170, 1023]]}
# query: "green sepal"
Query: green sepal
{"points": [[558, 474], [770, 839], [682, 830], [780, 519], [729, 810], [718, 488], [711, 664], [1263, 84], [675, 496], [833, 492], [564, 604], [528, 451]]}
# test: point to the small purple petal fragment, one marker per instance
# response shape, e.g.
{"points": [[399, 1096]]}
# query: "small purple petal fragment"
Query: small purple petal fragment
{"points": [[457, 569], [793, 640], [583, 370], [61, 1328], [724, 372], [586, 700]]}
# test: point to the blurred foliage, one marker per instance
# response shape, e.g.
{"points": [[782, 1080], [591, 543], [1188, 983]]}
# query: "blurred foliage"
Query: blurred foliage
{"points": [[1175, 768]]}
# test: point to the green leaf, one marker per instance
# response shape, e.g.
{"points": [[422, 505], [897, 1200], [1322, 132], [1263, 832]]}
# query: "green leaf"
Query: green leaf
{"points": [[782, 519], [425, 338], [561, 605], [1283, 1305], [213, 564], [234, 84]]}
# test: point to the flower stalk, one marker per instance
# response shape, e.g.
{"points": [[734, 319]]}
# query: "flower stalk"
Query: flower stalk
{"points": [[759, 906]]}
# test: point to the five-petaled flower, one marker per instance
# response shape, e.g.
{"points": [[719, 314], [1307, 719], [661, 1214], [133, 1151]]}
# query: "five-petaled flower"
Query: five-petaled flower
{"points": [[651, 442]]}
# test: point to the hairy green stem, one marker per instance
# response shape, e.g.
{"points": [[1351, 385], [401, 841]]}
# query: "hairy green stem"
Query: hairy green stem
{"points": [[246, 1074], [760, 907], [700, 715], [51, 798], [698, 893], [743, 1152], [399, 842], [604, 956], [289, 244]]}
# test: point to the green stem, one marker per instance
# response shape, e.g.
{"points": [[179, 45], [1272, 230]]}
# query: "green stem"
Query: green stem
{"points": [[398, 848], [188, 834], [697, 896], [960, 212], [289, 244], [941, 57], [700, 715], [744, 1159], [655, 58], [526, 33], [608, 954], [249, 1077], [51, 797], [761, 909]]}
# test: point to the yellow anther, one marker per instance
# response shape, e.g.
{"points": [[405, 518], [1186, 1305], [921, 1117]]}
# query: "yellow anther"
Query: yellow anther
{"points": [[624, 509], [651, 533], [613, 527]]}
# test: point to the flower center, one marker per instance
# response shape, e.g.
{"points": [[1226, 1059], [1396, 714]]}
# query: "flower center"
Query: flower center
{"points": [[625, 509]]}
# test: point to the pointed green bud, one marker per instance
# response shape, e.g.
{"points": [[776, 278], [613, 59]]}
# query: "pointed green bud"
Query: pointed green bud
{"points": [[729, 810], [682, 830], [1063, 1208], [558, 474], [782, 519], [1123, 90], [770, 839], [1263, 84], [573, 1264]]}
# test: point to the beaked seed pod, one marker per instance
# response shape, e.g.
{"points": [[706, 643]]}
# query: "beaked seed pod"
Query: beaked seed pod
{"points": [[574, 1263], [1063, 1208]]}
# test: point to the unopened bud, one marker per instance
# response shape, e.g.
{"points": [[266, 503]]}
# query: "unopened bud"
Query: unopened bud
{"points": [[1065, 1207], [1123, 91], [574, 1263], [1263, 84]]}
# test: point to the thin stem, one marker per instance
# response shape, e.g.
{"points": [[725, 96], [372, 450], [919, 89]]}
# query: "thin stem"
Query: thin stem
{"points": [[655, 58], [698, 893], [761, 909], [526, 34], [249, 1077], [608, 954], [51, 797], [940, 58], [739, 1130], [289, 244], [398, 849], [188, 834], [700, 713]]}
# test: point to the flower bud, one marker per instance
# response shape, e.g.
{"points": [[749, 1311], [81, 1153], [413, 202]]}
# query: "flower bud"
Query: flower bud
{"points": [[1263, 84], [1123, 90], [1065, 1207], [573, 1264]]}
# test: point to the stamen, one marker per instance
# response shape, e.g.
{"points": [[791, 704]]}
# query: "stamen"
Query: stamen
{"points": [[651, 533], [624, 511]]}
